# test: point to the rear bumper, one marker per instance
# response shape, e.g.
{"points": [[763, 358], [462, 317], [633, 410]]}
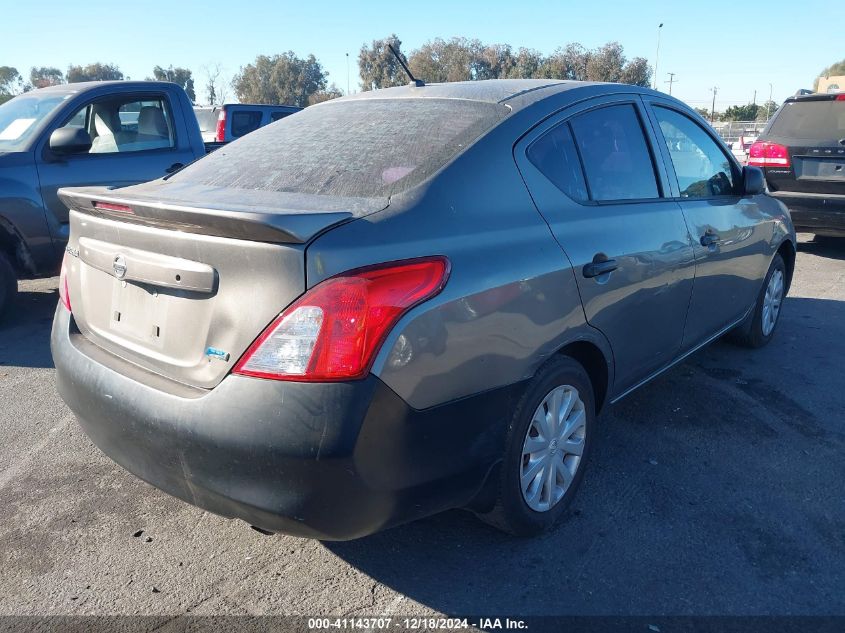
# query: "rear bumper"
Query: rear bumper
{"points": [[815, 213], [330, 461]]}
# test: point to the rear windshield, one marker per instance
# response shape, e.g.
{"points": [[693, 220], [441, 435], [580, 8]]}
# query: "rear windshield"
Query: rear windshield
{"points": [[362, 148], [207, 119], [816, 120]]}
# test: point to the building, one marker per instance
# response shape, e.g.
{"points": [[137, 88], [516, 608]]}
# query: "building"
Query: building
{"points": [[831, 84]]}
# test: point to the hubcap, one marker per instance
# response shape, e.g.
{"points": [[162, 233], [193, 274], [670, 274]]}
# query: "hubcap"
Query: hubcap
{"points": [[553, 448], [772, 301]]}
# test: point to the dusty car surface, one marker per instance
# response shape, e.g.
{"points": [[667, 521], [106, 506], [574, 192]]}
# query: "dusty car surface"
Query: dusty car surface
{"points": [[409, 300]]}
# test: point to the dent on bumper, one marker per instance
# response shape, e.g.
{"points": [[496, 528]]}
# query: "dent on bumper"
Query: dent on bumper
{"points": [[328, 460]]}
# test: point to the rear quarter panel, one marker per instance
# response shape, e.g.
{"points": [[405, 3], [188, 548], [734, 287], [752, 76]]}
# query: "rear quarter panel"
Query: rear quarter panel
{"points": [[511, 300]]}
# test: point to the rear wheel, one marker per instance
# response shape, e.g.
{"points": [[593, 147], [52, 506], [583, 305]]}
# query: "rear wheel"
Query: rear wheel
{"points": [[547, 446], [764, 318], [8, 285]]}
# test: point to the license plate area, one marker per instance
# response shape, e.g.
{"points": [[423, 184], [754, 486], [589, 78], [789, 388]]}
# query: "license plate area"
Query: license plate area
{"points": [[164, 324]]}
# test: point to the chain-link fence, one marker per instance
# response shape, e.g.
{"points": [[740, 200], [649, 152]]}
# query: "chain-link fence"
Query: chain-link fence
{"points": [[731, 131]]}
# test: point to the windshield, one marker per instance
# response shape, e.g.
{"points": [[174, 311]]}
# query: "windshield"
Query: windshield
{"points": [[22, 116], [822, 120], [361, 148]]}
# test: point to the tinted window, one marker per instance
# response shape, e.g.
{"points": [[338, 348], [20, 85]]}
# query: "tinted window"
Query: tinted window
{"points": [[616, 158], [358, 148], [555, 155], [245, 121], [275, 116], [815, 120], [126, 125], [702, 168]]}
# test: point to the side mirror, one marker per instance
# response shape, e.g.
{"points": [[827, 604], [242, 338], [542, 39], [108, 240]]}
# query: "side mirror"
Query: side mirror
{"points": [[753, 181], [70, 140]]}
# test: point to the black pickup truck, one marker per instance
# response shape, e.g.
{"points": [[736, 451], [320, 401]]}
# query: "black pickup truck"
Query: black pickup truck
{"points": [[113, 133]]}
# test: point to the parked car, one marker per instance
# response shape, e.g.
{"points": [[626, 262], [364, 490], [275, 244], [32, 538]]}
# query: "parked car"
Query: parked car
{"points": [[112, 133], [802, 152], [233, 120], [741, 146], [409, 300]]}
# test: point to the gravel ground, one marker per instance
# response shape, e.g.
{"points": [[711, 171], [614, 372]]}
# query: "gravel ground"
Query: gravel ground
{"points": [[716, 489]]}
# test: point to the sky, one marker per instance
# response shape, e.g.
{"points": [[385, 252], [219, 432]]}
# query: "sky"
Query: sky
{"points": [[780, 43]]}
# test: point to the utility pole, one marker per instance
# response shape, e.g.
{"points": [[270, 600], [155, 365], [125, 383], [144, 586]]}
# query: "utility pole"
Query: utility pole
{"points": [[714, 90], [670, 81], [347, 74], [657, 54], [754, 100]]}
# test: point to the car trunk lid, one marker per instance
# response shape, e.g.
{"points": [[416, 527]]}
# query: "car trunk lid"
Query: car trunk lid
{"points": [[182, 285]]}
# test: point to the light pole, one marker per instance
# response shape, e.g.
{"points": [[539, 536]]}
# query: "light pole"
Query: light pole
{"points": [[769, 102], [714, 90], [657, 54], [347, 74]]}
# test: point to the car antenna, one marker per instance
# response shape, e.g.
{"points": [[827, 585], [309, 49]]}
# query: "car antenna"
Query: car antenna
{"points": [[419, 83]]}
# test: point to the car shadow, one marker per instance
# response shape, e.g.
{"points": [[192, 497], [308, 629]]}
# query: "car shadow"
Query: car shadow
{"points": [[25, 331], [831, 248], [695, 501]]}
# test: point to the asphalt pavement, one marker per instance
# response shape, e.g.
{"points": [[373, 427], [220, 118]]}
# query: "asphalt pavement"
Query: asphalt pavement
{"points": [[716, 489]]}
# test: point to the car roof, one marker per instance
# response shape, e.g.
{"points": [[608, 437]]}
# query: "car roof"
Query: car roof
{"points": [[89, 85], [517, 93]]}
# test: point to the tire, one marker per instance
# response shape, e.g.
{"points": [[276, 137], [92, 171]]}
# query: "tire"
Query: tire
{"points": [[8, 285], [513, 512], [753, 332]]}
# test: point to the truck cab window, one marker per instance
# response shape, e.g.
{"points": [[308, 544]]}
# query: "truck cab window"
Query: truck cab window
{"points": [[118, 126]]}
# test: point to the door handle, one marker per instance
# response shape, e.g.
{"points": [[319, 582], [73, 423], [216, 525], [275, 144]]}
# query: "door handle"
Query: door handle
{"points": [[709, 238], [174, 168], [600, 267]]}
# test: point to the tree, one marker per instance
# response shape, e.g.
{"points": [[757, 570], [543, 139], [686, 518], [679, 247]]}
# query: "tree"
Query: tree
{"points": [[41, 77], [11, 83], [605, 63], [93, 72], [283, 78], [567, 63], [526, 64], [704, 112], [215, 87], [439, 60], [746, 112], [637, 72], [332, 92], [831, 71], [378, 66], [766, 111], [180, 76]]}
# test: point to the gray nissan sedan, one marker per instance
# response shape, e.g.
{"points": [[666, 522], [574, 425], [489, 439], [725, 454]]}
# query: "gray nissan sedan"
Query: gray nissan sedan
{"points": [[409, 300]]}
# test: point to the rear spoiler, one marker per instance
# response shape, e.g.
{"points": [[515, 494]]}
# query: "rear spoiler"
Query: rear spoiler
{"points": [[276, 226]]}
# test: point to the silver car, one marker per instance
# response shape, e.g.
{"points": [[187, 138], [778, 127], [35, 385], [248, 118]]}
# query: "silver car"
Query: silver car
{"points": [[409, 300]]}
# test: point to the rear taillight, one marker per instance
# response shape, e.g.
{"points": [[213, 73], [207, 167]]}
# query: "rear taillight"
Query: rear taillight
{"points": [[220, 136], [763, 154], [111, 206], [840, 97], [334, 330], [64, 296]]}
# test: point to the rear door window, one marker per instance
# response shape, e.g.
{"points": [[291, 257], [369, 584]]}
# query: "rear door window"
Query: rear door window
{"points": [[615, 154], [822, 120], [702, 168], [275, 116], [245, 121], [555, 155]]}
